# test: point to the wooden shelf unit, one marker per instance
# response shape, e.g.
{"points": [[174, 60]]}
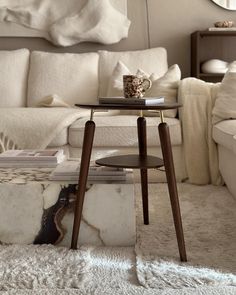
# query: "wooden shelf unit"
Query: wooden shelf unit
{"points": [[206, 45]]}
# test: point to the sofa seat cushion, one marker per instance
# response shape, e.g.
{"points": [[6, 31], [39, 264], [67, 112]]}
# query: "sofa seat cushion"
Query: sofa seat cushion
{"points": [[14, 66], [121, 131], [60, 140], [224, 133], [73, 77]]}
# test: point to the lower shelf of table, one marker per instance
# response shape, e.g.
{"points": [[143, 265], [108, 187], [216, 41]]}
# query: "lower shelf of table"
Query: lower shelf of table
{"points": [[131, 161]]}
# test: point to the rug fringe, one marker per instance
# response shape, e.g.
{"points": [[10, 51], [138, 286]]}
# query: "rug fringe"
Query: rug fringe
{"points": [[6, 143]]}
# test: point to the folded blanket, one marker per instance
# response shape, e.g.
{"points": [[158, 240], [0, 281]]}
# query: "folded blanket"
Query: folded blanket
{"points": [[200, 151], [32, 128]]}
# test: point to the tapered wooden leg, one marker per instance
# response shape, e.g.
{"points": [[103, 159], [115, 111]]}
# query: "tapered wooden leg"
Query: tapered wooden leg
{"points": [[84, 167], [142, 139], [171, 180]]}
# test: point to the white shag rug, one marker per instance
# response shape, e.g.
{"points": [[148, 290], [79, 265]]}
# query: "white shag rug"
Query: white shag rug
{"points": [[208, 216], [42, 266], [153, 268]]}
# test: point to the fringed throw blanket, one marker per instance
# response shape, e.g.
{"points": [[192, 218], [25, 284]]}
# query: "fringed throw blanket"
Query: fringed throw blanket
{"points": [[65, 22], [31, 128], [200, 150]]}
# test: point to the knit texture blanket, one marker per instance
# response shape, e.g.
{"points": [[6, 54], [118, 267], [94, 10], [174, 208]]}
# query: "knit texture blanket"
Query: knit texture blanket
{"points": [[30, 128], [200, 150], [65, 22]]}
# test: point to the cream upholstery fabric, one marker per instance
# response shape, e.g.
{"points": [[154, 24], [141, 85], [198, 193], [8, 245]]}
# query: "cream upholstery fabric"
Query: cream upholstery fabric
{"points": [[60, 140], [149, 60], [117, 131], [166, 86], [227, 164], [225, 105], [74, 77], [13, 77], [224, 133]]}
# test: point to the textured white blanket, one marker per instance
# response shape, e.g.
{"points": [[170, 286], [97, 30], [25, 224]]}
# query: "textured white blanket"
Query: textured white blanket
{"points": [[34, 127], [65, 21], [200, 151]]}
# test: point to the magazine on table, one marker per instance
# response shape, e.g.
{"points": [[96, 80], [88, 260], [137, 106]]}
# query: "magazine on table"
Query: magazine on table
{"points": [[131, 100], [31, 158], [69, 170], [28, 165]]}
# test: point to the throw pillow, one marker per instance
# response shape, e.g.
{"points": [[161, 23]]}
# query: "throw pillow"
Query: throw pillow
{"points": [[115, 86], [166, 86], [53, 100], [225, 104]]}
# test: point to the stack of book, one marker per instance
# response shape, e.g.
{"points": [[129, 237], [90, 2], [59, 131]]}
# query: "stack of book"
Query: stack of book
{"points": [[69, 170], [31, 158]]}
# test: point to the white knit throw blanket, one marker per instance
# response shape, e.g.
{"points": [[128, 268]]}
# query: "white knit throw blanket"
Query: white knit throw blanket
{"points": [[65, 22], [200, 150], [32, 128]]}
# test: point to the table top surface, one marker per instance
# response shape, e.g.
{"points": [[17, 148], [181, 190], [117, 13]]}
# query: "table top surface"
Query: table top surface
{"points": [[160, 106], [131, 161]]}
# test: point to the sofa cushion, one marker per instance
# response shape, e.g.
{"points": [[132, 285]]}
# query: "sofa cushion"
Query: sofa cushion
{"points": [[73, 77], [117, 131], [149, 60], [224, 133], [14, 67]]}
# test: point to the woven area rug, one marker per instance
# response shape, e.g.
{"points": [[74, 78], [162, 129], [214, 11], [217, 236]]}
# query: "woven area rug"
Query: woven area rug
{"points": [[42, 266], [208, 214], [152, 268]]}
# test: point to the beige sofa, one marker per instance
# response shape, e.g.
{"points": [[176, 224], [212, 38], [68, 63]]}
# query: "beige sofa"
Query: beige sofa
{"points": [[28, 77]]}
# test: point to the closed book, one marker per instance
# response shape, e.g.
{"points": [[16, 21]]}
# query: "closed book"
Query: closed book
{"points": [[222, 29], [32, 156], [28, 165], [69, 170], [131, 100]]}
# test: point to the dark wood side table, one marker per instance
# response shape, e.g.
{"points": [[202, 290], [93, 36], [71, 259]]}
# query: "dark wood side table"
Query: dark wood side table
{"points": [[141, 161]]}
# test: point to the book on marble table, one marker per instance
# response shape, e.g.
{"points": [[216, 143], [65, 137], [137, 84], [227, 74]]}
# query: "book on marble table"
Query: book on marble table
{"points": [[70, 170], [131, 100], [31, 158]]}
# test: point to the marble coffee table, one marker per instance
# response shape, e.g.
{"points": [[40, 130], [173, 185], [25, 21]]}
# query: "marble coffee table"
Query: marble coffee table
{"points": [[34, 209]]}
